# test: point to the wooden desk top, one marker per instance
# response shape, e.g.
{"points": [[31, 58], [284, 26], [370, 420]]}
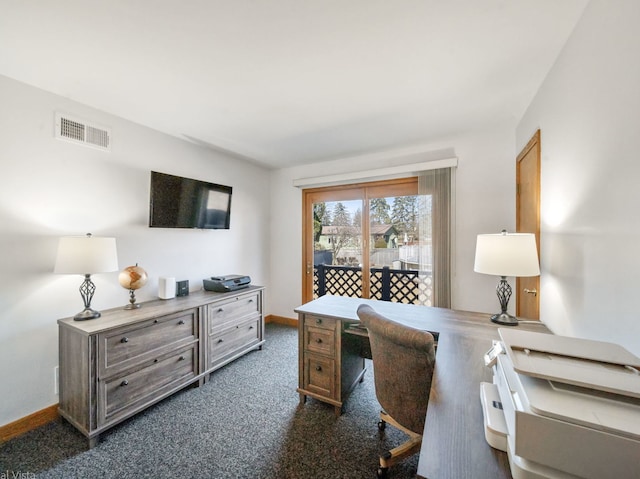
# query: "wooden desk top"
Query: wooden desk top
{"points": [[453, 444]]}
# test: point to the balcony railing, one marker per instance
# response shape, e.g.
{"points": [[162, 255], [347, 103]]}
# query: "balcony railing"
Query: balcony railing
{"points": [[386, 284]]}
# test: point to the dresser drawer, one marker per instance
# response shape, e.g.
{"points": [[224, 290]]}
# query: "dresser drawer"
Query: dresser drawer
{"points": [[320, 322], [319, 375], [124, 347], [124, 393], [222, 313], [228, 342], [319, 340]]}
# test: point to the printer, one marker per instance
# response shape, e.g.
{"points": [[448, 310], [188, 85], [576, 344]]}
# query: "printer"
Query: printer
{"points": [[224, 284], [563, 407]]}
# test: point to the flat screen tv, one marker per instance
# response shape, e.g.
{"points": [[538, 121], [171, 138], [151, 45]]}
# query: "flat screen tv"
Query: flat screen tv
{"points": [[178, 202]]}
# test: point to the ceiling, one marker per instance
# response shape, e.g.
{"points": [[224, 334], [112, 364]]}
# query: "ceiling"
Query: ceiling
{"points": [[287, 82]]}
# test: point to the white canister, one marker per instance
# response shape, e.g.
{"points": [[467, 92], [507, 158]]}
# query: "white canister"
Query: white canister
{"points": [[166, 288]]}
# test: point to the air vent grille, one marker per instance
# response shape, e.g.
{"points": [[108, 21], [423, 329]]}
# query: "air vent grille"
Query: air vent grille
{"points": [[82, 132]]}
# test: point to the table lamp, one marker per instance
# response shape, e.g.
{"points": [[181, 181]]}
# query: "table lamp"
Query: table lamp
{"points": [[86, 255], [506, 254]]}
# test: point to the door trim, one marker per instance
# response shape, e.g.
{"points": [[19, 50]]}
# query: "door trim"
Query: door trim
{"points": [[534, 141]]}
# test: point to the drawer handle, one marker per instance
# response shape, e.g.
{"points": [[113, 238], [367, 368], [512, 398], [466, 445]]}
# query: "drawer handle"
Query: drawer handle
{"points": [[181, 358], [124, 340], [318, 340], [124, 383], [155, 321], [156, 360], [181, 321], [251, 300], [220, 310], [220, 341], [318, 368], [250, 327], [318, 321]]}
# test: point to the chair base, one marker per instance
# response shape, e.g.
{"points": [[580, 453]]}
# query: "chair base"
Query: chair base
{"points": [[397, 454]]}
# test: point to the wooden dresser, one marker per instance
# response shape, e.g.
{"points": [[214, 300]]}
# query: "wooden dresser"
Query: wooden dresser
{"points": [[121, 363]]}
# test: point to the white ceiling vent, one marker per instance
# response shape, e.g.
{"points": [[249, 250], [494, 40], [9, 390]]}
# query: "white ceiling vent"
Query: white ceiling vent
{"points": [[82, 132]]}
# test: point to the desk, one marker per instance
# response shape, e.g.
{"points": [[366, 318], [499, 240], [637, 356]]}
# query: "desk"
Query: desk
{"points": [[453, 444]]}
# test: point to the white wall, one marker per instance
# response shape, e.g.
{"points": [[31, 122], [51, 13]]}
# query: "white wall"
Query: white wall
{"points": [[51, 188], [485, 203], [588, 112]]}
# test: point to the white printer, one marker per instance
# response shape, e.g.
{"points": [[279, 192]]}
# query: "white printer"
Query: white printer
{"points": [[563, 407]]}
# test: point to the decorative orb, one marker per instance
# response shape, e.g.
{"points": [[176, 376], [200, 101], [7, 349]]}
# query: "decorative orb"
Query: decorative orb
{"points": [[132, 277]]}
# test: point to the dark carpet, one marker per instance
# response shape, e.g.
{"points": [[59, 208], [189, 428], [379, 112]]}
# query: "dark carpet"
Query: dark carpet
{"points": [[246, 422]]}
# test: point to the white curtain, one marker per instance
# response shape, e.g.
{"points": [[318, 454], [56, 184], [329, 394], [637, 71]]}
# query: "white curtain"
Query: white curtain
{"points": [[434, 232]]}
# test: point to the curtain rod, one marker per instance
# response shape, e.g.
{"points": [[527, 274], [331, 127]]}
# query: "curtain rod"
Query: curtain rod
{"points": [[387, 173]]}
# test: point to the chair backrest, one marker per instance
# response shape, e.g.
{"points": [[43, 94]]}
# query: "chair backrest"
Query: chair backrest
{"points": [[403, 360]]}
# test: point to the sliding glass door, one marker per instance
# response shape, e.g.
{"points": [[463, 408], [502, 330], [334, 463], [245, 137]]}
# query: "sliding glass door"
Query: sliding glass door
{"points": [[358, 241], [333, 245]]}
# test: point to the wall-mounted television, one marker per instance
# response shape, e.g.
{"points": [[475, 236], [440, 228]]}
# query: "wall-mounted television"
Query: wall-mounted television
{"points": [[178, 202]]}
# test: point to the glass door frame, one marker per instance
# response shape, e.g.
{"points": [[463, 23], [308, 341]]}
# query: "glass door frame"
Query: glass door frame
{"points": [[359, 191]]}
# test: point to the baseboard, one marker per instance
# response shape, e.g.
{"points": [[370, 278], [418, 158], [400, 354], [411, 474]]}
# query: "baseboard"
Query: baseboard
{"points": [[272, 318], [27, 423]]}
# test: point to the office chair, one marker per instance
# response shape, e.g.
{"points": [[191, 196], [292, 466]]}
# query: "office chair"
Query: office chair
{"points": [[403, 360]]}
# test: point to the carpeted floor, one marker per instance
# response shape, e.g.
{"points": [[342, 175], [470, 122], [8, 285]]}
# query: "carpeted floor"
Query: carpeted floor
{"points": [[246, 422]]}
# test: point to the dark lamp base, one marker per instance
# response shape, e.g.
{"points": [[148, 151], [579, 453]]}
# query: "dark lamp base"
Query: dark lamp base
{"points": [[132, 301], [87, 313], [504, 319]]}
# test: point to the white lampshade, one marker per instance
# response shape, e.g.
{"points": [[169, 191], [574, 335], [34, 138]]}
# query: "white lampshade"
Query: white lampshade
{"points": [[86, 255], [507, 254]]}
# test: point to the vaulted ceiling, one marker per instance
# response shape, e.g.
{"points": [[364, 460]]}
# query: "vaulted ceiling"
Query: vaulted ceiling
{"points": [[285, 82]]}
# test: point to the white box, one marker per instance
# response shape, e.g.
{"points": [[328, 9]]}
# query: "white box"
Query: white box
{"points": [[166, 288]]}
